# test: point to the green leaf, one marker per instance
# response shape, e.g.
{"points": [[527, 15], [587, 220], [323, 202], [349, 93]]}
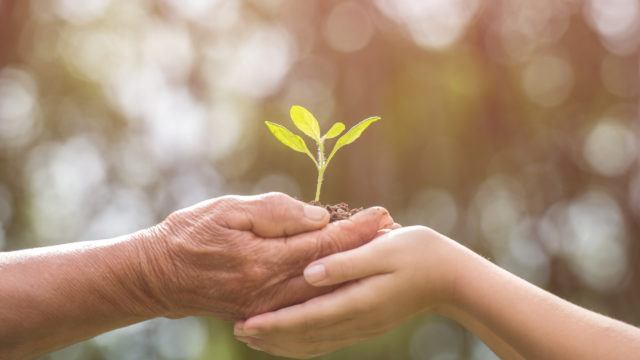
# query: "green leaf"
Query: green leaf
{"points": [[352, 135], [335, 130], [288, 138], [305, 121]]}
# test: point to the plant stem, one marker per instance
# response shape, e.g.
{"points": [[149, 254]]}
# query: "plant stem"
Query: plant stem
{"points": [[319, 184], [321, 168]]}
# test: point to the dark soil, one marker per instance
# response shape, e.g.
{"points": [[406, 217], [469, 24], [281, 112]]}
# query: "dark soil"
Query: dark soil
{"points": [[339, 211]]}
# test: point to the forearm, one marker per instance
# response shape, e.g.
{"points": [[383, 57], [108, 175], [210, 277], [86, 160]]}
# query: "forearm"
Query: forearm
{"points": [[535, 323], [54, 296], [497, 344], [449, 309]]}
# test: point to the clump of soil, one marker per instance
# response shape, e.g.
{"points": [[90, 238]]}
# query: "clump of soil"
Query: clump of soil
{"points": [[339, 211]]}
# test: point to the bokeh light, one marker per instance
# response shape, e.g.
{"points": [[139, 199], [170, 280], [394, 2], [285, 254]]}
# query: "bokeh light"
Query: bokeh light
{"points": [[18, 107], [610, 148], [348, 27], [510, 126], [547, 80]]}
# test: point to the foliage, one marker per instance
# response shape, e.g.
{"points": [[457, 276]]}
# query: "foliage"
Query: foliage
{"points": [[304, 120]]}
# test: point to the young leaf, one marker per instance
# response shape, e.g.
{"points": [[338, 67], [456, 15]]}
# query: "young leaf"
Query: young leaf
{"points": [[335, 130], [305, 121], [288, 138], [352, 135]]}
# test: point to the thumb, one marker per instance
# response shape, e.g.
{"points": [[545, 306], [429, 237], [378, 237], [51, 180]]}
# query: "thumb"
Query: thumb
{"points": [[275, 215], [346, 266]]}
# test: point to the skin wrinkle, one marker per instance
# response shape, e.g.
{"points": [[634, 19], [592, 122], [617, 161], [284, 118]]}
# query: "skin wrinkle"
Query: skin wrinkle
{"points": [[255, 278], [329, 244], [175, 257], [192, 263], [132, 279], [72, 290], [150, 292]]}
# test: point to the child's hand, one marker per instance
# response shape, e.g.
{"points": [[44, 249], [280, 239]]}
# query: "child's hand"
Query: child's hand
{"points": [[394, 277]]}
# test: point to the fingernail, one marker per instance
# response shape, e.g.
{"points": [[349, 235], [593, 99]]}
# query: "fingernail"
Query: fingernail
{"points": [[315, 273], [249, 332], [385, 218], [241, 331], [254, 347], [246, 339], [315, 213]]}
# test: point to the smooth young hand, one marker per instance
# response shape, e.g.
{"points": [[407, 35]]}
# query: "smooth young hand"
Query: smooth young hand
{"points": [[398, 275], [416, 269]]}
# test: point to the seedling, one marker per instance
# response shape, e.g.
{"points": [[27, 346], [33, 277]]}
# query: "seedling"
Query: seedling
{"points": [[307, 123]]}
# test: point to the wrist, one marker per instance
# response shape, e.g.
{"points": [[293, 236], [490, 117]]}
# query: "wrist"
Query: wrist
{"points": [[469, 273], [147, 279], [445, 268]]}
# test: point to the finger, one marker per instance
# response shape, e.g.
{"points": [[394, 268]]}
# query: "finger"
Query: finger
{"points": [[293, 291], [297, 350], [246, 339], [353, 329], [347, 302], [349, 265], [274, 215], [338, 236], [364, 326], [394, 226]]}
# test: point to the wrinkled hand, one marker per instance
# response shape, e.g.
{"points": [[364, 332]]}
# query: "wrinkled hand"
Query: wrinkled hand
{"points": [[234, 257], [397, 275]]}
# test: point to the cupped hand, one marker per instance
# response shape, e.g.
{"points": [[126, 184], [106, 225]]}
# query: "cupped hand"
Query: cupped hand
{"points": [[234, 256], [397, 275]]}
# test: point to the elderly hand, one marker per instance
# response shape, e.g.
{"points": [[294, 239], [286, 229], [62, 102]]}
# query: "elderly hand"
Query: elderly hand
{"points": [[234, 257], [230, 257], [397, 275]]}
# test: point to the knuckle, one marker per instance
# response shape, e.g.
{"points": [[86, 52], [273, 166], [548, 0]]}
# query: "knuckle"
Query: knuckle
{"points": [[381, 211], [254, 274], [383, 215], [250, 274], [419, 229], [270, 202], [275, 197], [226, 203], [326, 245], [222, 202], [340, 268], [417, 235], [220, 207], [343, 237]]}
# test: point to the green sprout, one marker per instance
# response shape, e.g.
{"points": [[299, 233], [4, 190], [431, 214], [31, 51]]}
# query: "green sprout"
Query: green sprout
{"points": [[307, 123]]}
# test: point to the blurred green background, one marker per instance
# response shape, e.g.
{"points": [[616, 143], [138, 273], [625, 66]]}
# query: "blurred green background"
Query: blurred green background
{"points": [[511, 126]]}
